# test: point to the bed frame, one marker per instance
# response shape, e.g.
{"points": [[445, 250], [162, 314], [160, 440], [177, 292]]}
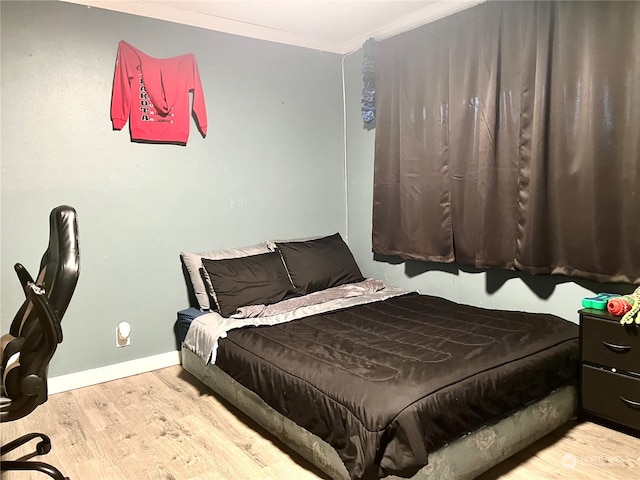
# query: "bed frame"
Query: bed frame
{"points": [[465, 458]]}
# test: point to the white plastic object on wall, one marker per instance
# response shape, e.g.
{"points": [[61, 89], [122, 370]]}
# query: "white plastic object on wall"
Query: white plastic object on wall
{"points": [[123, 334]]}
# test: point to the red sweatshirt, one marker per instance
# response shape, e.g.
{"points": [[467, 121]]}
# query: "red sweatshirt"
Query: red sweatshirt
{"points": [[153, 94]]}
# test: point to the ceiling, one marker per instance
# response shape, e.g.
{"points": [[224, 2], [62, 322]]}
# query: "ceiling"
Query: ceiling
{"points": [[331, 25]]}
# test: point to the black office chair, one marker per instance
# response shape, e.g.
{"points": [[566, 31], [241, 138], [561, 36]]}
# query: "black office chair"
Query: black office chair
{"points": [[35, 333]]}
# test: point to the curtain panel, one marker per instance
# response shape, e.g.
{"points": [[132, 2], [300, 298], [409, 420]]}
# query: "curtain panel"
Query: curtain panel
{"points": [[507, 136]]}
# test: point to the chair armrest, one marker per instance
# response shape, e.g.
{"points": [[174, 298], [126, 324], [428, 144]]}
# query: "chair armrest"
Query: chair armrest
{"points": [[49, 322], [23, 275]]}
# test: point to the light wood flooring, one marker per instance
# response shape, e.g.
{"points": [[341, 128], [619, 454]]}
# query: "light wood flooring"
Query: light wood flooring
{"points": [[165, 425]]}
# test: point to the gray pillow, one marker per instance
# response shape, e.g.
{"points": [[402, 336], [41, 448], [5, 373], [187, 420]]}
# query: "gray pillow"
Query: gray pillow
{"points": [[193, 264]]}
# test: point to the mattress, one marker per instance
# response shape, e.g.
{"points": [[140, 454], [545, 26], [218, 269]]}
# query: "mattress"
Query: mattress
{"points": [[463, 459], [385, 384]]}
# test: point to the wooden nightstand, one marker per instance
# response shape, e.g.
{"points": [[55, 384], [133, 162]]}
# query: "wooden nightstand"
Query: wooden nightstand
{"points": [[609, 368]]}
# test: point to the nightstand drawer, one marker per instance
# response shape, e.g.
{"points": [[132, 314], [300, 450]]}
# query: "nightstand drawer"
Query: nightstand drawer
{"points": [[606, 342], [611, 396]]}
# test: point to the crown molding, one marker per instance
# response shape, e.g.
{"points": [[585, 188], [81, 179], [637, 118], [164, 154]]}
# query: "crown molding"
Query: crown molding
{"points": [[173, 12]]}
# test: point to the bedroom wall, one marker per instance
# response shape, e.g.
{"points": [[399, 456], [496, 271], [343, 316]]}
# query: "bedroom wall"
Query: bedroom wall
{"points": [[270, 167], [492, 288]]}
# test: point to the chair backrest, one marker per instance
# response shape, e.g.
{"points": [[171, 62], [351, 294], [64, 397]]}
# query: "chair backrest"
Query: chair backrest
{"points": [[59, 267], [35, 330], [61, 260]]}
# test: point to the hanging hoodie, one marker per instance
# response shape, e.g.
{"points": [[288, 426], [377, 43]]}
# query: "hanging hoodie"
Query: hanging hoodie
{"points": [[153, 94]]}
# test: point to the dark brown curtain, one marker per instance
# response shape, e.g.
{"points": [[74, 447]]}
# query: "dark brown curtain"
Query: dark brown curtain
{"points": [[508, 136]]}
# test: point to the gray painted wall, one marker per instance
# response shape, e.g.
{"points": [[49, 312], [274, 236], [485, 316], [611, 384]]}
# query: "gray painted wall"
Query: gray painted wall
{"points": [[271, 166], [493, 288]]}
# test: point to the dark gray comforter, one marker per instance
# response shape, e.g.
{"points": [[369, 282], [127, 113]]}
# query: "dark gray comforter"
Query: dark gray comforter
{"points": [[388, 382]]}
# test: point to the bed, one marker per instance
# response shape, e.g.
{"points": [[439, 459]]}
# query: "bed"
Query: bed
{"points": [[368, 381]]}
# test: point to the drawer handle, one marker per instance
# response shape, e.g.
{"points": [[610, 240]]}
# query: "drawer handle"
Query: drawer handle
{"points": [[617, 348], [631, 403]]}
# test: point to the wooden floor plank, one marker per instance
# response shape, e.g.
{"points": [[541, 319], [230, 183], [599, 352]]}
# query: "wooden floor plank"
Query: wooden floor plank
{"points": [[166, 425]]}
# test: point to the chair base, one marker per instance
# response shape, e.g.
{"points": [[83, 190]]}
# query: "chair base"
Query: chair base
{"points": [[42, 448]]}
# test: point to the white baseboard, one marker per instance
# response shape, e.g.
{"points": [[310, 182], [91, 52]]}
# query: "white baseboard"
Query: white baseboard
{"points": [[94, 376]]}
